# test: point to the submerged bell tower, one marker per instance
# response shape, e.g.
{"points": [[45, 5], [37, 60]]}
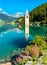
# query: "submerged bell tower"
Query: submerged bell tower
{"points": [[27, 25]]}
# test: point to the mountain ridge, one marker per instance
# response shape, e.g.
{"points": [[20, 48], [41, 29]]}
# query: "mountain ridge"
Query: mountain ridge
{"points": [[6, 17], [37, 16]]}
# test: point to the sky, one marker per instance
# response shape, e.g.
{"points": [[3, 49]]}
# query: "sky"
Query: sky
{"points": [[19, 6]]}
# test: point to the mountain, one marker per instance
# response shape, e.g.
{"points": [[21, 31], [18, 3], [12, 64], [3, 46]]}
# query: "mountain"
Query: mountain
{"points": [[38, 15], [6, 17]]}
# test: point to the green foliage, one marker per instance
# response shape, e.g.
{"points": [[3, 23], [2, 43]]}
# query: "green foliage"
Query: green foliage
{"points": [[44, 60], [38, 15], [1, 23], [22, 62], [40, 42], [28, 49], [34, 58], [34, 62]]}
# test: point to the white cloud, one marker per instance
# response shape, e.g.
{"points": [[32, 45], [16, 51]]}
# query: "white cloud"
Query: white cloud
{"points": [[1, 9], [18, 14], [5, 12]]}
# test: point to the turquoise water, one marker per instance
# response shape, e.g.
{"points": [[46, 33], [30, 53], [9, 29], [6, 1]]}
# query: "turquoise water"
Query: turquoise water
{"points": [[41, 30], [11, 40]]}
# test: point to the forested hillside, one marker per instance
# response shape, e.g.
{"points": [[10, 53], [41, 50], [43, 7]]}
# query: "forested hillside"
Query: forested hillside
{"points": [[38, 15]]}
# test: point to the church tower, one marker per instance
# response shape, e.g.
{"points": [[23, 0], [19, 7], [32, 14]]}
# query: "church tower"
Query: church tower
{"points": [[27, 25]]}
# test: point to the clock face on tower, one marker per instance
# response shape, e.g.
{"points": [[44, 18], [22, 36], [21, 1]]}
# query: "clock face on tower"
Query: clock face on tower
{"points": [[26, 16]]}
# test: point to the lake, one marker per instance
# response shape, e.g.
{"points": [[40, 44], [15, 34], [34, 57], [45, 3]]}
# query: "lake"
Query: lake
{"points": [[12, 40]]}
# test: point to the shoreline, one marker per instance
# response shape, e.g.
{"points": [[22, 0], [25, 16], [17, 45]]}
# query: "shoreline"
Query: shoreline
{"points": [[8, 63]]}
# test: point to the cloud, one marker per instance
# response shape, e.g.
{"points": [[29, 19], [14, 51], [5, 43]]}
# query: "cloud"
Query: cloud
{"points": [[18, 14], [5, 12], [1, 9]]}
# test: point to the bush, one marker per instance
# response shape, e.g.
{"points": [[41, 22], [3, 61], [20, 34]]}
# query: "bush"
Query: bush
{"points": [[40, 42]]}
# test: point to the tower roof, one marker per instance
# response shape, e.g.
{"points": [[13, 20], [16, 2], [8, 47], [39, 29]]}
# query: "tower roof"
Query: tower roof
{"points": [[27, 12]]}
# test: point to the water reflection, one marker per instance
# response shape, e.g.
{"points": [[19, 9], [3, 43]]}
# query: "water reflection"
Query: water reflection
{"points": [[12, 40]]}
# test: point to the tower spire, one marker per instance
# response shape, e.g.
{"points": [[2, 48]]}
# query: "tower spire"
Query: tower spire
{"points": [[27, 12]]}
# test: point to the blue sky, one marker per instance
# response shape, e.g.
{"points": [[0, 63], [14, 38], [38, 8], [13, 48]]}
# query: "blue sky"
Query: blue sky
{"points": [[14, 6]]}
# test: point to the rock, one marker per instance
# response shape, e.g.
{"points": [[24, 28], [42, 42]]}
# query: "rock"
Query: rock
{"points": [[39, 63], [9, 63], [40, 58], [35, 50], [29, 63]]}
